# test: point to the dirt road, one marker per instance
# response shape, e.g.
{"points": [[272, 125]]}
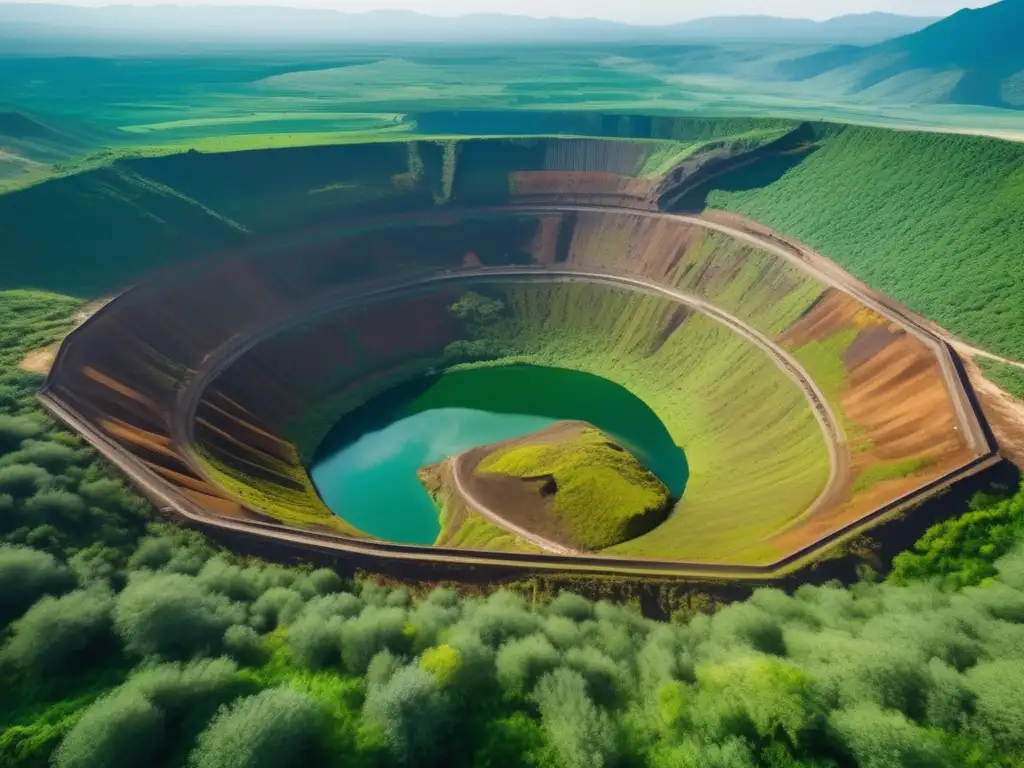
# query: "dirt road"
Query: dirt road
{"points": [[493, 517]]}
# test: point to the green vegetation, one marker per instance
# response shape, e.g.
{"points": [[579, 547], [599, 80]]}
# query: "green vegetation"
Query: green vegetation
{"points": [[941, 237], [601, 494], [964, 551], [292, 500], [124, 643], [1009, 377], [722, 400], [890, 470]]}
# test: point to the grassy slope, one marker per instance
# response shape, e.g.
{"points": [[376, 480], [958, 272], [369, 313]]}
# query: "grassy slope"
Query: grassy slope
{"points": [[934, 221], [725, 403], [602, 492], [1008, 377]]}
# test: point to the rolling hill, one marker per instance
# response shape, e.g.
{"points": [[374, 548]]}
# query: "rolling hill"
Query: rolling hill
{"points": [[972, 57], [262, 23]]}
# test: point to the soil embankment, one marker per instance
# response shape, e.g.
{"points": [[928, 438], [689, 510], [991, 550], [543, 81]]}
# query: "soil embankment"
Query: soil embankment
{"points": [[568, 485]]}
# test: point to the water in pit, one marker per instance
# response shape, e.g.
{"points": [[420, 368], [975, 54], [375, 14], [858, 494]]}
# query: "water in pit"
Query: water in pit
{"points": [[365, 471]]}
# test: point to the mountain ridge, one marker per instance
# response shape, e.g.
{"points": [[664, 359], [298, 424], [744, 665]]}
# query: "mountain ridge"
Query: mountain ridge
{"points": [[240, 22], [973, 57]]}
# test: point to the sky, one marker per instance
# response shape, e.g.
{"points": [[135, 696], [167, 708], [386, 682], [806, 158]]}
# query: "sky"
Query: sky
{"points": [[632, 11]]}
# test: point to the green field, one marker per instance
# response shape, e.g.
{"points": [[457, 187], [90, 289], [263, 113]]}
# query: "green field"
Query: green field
{"points": [[1009, 377], [939, 236], [232, 100]]}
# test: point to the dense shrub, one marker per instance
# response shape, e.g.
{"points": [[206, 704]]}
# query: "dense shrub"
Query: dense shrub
{"points": [[277, 727], [171, 615], [964, 550], [57, 631], [581, 734], [25, 576], [124, 729], [412, 714]]}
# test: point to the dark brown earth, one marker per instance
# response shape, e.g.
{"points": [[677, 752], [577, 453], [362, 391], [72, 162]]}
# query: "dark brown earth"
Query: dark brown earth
{"points": [[896, 401]]}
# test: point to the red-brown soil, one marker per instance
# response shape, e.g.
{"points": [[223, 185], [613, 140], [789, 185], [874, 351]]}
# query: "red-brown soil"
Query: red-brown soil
{"points": [[895, 398]]}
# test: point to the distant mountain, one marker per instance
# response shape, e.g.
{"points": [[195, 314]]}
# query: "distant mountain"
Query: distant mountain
{"points": [[863, 28], [270, 23], [971, 57]]}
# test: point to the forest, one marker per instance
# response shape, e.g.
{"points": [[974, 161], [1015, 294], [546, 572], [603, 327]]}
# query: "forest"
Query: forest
{"points": [[1009, 377], [127, 642], [941, 237]]}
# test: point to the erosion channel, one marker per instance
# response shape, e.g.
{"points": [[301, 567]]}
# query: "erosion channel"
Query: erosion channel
{"points": [[367, 464]]}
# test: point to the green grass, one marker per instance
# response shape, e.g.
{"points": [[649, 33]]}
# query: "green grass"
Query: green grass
{"points": [[934, 221], [294, 504], [889, 470], [30, 320], [1009, 377], [603, 495], [722, 400]]}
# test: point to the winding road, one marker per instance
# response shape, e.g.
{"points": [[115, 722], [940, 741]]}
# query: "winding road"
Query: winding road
{"points": [[493, 517]]}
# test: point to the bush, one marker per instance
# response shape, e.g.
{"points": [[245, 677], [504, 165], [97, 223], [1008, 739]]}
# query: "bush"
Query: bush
{"points": [[580, 733], [521, 663], [883, 739], [277, 727], [124, 729], [25, 576], [245, 646], [172, 616], [411, 713], [278, 606], [22, 480], [57, 631]]}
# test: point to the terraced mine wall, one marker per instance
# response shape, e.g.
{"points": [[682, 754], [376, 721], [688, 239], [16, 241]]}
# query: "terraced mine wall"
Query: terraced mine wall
{"points": [[278, 290], [136, 215], [216, 382]]}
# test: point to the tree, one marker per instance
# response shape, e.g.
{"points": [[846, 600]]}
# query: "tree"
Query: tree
{"points": [[882, 739], [315, 641], [442, 662], [581, 734], [22, 480], [14, 429], [172, 616], [277, 727], [278, 606], [520, 663], [53, 457], [774, 697], [123, 730], [375, 629], [998, 687], [56, 631], [411, 713], [245, 645], [26, 575]]}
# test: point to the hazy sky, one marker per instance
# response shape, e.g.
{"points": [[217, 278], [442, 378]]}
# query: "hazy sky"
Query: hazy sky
{"points": [[633, 11]]}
